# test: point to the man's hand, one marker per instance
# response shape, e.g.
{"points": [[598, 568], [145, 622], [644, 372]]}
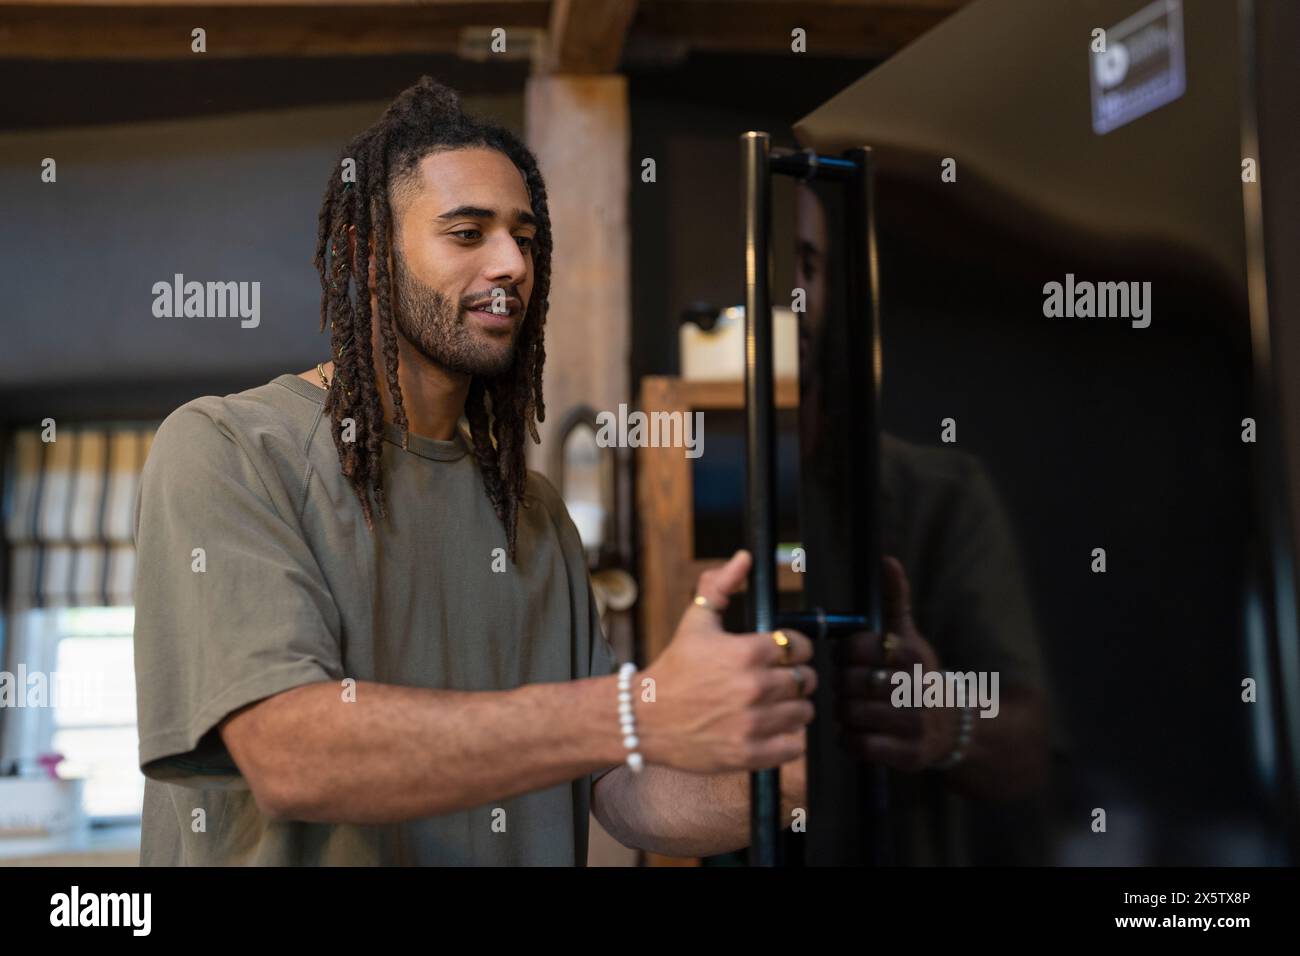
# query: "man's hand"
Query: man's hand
{"points": [[725, 701], [907, 739]]}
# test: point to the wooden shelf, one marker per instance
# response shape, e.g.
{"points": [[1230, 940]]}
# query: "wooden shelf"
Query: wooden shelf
{"points": [[666, 509], [666, 518]]}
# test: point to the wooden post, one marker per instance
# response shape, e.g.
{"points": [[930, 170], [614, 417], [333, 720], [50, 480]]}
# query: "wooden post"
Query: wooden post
{"points": [[578, 128]]}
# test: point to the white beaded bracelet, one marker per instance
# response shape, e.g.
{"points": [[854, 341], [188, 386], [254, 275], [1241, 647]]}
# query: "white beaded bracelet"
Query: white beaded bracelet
{"points": [[626, 719], [965, 727]]}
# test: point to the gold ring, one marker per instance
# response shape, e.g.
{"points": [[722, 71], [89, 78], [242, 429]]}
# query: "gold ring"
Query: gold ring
{"points": [[702, 601], [783, 642], [890, 647]]}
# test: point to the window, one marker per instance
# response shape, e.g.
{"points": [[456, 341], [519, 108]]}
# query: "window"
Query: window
{"points": [[66, 643], [85, 662]]}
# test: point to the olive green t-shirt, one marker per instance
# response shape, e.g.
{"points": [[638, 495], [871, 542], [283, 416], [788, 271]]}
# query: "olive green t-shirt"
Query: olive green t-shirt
{"points": [[256, 574]]}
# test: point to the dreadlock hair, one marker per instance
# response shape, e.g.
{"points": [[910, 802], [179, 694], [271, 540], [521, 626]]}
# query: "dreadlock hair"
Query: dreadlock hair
{"points": [[424, 119]]}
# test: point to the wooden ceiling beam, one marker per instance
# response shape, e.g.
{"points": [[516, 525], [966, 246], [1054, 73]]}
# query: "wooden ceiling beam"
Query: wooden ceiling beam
{"points": [[585, 36], [866, 28], [162, 30]]}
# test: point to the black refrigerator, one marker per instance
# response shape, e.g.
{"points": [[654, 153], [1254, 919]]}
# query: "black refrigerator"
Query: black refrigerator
{"points": [[1086, 258]]}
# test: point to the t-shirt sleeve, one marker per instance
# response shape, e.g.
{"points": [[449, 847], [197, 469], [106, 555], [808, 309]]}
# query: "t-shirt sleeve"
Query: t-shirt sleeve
{"points": [[230, 604]]}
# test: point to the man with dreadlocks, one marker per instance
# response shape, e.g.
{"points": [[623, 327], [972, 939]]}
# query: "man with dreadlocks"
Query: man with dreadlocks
{"points": [[357, 642]]}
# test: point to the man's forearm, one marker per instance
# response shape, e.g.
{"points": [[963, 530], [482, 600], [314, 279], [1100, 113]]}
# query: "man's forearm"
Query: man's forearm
{"points": [[1008, 754], [401, 753], [676, 813]]}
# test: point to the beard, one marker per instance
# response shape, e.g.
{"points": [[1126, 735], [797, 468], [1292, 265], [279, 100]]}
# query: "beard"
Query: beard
{"points": [[439, 331]]}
